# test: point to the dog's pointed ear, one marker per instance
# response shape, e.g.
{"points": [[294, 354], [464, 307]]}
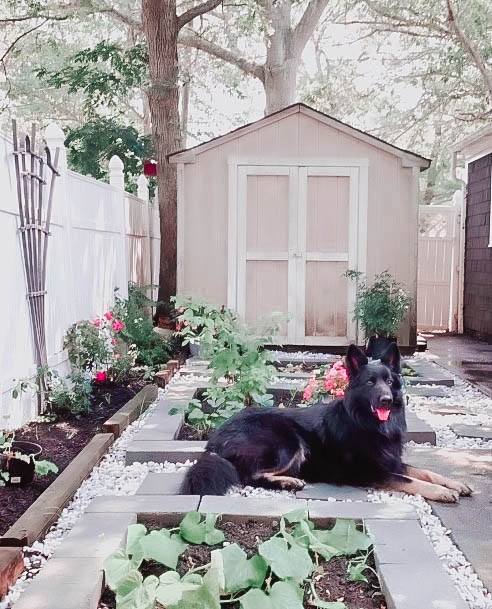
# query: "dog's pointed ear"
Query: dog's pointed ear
{"points": [[391, 358], [354, 360]]}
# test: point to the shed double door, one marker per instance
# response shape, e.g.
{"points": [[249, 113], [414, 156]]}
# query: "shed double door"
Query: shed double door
{"points": [[296, 237]]}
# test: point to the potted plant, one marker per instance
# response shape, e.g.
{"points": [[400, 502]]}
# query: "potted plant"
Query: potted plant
{"points": [[379, 308], [19, 463]]}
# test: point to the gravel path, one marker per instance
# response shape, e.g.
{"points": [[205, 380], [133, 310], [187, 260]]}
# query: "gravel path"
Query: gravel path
{"points": [[113, 477]]}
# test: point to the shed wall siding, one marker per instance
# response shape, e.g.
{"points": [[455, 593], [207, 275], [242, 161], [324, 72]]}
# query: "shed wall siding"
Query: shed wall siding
{"points": [[392, 215], [478, 254]]}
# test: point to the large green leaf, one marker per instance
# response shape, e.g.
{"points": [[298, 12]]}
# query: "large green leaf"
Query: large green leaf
{"points": [[159, 546], [239, 572], [136, 593], [197, 530], [134, 534], [294, 563], [345, 537], [206, 596], [283, 595], [116, 567], [171, 587]]}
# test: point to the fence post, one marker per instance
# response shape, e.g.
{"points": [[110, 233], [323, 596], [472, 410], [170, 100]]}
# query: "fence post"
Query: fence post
{"points": [[64, 302], [143, 195], [117, 180]]}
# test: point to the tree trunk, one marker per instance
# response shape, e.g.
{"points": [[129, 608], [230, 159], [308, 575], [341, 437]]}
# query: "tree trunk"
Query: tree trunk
{"points": [[160, 24], [280, 69]]}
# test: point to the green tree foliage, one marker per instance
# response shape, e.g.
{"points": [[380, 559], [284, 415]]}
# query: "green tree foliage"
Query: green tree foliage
{"points": [[92, 145]]}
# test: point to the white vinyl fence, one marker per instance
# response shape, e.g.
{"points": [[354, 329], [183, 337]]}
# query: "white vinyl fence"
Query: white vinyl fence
{"points": [[438, 270], [102, 238]]}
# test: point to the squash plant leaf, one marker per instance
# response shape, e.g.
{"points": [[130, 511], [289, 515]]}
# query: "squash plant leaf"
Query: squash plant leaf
{"points": [[283, 595], [197, 530], [116, 567], [206, 596], [356, 572], [159, 546], [293, 563], [345, 537], [171, 587], [136, 593], [296, 516], [239, 572], [134, 534]]}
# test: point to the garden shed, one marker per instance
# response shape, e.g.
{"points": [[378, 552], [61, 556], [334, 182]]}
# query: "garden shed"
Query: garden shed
{"points": [[271, 215], [476, 153]]}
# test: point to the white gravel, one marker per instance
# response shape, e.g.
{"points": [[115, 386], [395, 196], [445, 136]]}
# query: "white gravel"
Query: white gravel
{"points": [[113, 477]]}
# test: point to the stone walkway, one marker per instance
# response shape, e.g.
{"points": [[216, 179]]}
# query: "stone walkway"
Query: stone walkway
{"points": [[412, 576]]}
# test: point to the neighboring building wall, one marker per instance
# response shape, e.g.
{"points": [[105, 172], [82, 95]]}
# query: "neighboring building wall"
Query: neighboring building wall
{"points": [[478, 254]]}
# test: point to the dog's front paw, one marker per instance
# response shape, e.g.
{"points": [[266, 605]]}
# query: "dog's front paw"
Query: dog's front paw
{"points": [[463, 489], [288, 483], [444, 495]]}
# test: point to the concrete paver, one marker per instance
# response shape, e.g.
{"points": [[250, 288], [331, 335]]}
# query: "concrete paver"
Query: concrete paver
{"points": [[428, 392], [324, 491], [361, 511], [243, 508], [144, 504], [65, 583], [400, 542], [167, 483], [419, 587], [470, 520], [472, 431]]}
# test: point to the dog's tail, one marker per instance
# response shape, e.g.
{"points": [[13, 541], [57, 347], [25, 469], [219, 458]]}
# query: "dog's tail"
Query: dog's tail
{"points": [[211, 475]]}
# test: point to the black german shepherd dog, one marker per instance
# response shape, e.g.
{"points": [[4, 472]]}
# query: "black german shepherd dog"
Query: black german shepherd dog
{"points": [[356, 440]]}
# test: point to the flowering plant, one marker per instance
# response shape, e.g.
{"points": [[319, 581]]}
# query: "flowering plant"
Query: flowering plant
{"points": [[92, 348], [332, 381]]}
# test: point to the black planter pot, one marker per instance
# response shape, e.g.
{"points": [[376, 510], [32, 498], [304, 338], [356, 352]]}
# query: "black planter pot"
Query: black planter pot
{"points": [[21, 473], [377, 346]]}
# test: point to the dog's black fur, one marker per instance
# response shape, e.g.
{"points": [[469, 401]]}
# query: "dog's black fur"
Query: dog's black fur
{"points": [[342, 442]]}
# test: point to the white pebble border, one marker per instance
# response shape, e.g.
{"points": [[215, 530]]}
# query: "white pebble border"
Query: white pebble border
{"points": [[113, 477]]}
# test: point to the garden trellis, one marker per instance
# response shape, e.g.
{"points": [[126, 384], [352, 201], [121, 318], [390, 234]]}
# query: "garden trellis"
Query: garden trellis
{"points": [[35, 173]]}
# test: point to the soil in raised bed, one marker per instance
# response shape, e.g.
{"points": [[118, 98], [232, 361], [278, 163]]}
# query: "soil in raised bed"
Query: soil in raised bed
{"points": [[61, 441], [331, 585]]}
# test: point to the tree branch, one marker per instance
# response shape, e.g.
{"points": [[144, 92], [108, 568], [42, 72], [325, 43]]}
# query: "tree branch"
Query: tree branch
{"points": [[191, 39], [196, 11], [468, 46], [126, 19], [308, 22], [26, 33]]}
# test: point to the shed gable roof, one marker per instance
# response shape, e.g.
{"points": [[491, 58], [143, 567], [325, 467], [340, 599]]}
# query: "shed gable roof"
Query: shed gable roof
{"points": [[409, 158]]}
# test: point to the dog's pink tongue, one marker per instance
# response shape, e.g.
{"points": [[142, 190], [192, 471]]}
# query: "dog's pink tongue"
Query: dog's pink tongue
{"points": [[382, 414]]}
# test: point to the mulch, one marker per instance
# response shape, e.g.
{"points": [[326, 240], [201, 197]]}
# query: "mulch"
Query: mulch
{"points": [[331, 579], [61, 441]]}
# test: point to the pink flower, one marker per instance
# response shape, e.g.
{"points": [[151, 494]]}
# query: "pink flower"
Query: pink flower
{"points": [[97, 323], [329, 384], [117, 325], [178, 327], [343, 376], [108, 316], [307, 395], [339, 393], [338, 365], [100, 377], [114, 342], [117, 356]]}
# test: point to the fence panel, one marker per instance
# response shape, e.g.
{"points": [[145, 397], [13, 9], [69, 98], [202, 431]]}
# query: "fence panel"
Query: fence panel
{"points": [[437, 269], [102, 238]]}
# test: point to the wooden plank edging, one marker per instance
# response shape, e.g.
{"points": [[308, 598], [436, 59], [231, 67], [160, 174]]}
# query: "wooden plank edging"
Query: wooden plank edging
{"points": [[130, 412]]}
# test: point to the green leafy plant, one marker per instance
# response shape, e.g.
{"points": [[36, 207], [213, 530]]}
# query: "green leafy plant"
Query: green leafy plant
{"points": [[239, 362], [380, 307], [280, 576], [138, 330]]}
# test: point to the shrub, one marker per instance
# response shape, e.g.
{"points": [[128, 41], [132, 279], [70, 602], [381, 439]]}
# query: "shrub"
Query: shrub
{"points": [[381, 307], [152, 349]]}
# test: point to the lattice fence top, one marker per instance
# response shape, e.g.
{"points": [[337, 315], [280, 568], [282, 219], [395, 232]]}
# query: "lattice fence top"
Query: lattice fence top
{"points": [[436, 223]]}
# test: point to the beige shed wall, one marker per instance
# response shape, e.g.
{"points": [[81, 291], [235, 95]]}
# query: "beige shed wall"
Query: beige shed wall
{"points": [[203, 226]]}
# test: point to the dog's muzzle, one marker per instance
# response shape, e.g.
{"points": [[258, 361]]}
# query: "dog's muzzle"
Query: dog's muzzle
{"points": [[383, 410]]}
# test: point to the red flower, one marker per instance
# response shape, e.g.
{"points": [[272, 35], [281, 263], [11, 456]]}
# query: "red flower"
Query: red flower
{"points": [[108, 316], [97, 323], [178, 327], [117, 325], [100, 377]]}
